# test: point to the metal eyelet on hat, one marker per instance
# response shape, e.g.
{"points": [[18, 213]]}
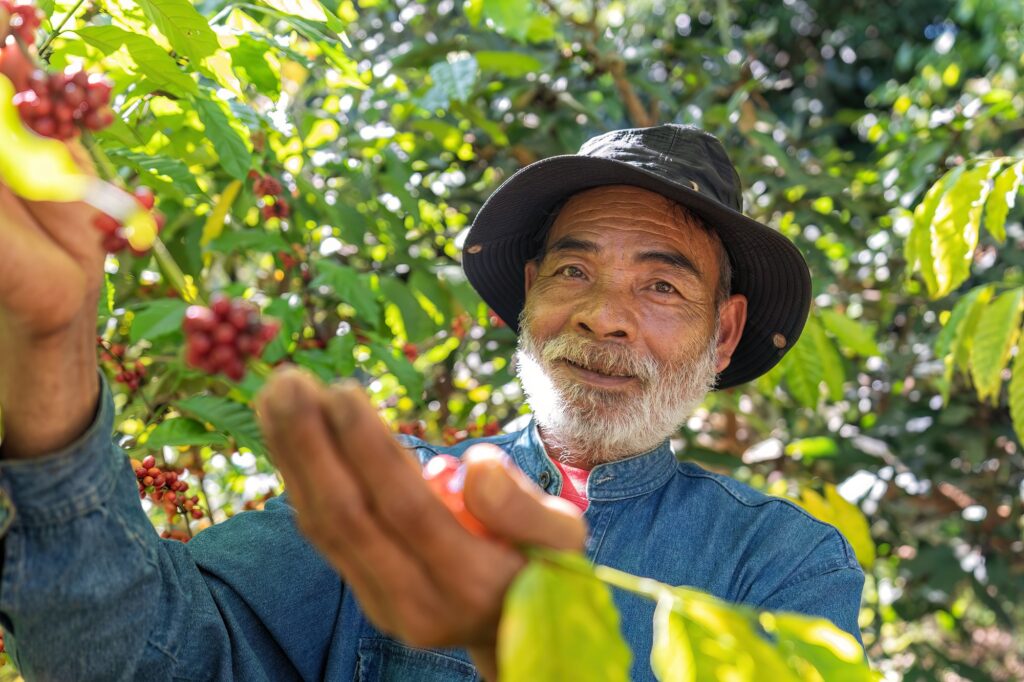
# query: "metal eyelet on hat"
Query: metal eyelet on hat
{"points": [[696, 187], [779, 340], [475, 248]]}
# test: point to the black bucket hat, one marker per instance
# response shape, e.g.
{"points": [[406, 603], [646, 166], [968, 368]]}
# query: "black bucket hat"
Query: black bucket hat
{"points": [[682, 163]]}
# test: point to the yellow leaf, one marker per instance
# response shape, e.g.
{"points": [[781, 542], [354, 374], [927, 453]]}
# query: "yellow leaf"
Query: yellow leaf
{"points": [[215, 221], [34, 167], [852, 523]]}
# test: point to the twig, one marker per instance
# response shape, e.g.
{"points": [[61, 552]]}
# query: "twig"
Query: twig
{"points": [[53, 34]]}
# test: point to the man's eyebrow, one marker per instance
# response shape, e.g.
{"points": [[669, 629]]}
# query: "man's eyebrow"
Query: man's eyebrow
{"points": [[673, 259], [575, 244]]}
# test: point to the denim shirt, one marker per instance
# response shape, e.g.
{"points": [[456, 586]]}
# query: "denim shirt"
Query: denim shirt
{"points": [[89, 591]]}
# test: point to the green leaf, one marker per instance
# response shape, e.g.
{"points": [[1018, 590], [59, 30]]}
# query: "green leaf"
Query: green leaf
{"points": [[341, 349], [250, 56], [255, 239], [351, 287], [816, 644], [580, 640], [231, 148], [307, 9], [1016, 397], [400, 366], [232, 419], [812, 448], [157, 166], [962, 324], [998, 328], [183, 431], [453, 80], [671, 652], [416, 325], [852, 335], [803, 371], [832, 370], [150, 59], [1003, 198], [157, 319], [511, 64], [724, 642], [954, 228], [184, 27]]}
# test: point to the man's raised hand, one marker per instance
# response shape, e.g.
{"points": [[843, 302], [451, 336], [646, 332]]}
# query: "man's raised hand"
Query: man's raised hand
{"points": [[361, 500], [51, 273]]}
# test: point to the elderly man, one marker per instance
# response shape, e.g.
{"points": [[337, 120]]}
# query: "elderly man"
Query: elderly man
{"points": [[636, 285]]}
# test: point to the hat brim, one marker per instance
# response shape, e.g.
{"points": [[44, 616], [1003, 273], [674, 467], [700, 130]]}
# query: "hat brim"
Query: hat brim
{"points": [[767, 268]]}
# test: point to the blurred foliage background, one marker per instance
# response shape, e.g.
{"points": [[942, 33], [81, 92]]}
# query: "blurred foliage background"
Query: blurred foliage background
{"points": [[388, 123]]}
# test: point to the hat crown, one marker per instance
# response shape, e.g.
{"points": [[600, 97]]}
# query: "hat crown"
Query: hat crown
{"points": [[684, 153]]}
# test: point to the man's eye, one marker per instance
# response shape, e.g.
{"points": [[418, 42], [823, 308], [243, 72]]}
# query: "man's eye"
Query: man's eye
{"points": [[571, 271], [664, 288]]}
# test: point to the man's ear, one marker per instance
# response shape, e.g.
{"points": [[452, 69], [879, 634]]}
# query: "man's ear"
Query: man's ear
{"points": [[732, 317], [530, 274]]}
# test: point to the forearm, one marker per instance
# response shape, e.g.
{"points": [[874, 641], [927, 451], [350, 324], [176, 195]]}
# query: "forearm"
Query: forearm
{"points": [[90, 592]]}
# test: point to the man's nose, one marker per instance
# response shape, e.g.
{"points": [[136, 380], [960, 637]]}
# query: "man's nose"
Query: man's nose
{"points": [[605, 313]]}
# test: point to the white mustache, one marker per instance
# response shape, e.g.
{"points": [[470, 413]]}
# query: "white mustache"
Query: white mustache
{"points": [[608, 359]]}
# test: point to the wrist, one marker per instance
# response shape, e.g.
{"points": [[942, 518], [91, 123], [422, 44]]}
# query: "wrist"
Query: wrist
{"points": [[49, 390]]}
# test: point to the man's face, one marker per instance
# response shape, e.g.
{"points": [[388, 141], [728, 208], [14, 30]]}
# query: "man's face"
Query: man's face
{"points": [[621, 336]]}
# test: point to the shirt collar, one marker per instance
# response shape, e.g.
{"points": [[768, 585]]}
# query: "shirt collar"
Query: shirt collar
{"points": [[629, 477]]}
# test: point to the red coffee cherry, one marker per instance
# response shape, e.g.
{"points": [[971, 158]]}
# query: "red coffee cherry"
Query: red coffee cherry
{"points": [[114, 239], [445, 476]]}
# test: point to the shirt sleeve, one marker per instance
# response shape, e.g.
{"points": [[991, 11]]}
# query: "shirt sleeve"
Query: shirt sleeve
{"points": [[89, 591], [833, 594]]}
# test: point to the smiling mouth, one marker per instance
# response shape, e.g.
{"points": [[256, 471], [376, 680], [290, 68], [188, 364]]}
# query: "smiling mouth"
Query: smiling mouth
{"points": [[596, 371]]}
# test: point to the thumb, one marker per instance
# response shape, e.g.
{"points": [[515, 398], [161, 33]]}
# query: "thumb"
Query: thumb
{"points": [[513, 508]]}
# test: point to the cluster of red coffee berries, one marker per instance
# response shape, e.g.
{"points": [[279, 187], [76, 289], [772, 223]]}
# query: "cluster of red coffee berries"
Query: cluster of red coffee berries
{"points": [[130, 375], [114, 239], [58, 105], [410, 351], [23, 18], [222, 337], [452, 434], [271, 193], [445, 476], [166, 488]]}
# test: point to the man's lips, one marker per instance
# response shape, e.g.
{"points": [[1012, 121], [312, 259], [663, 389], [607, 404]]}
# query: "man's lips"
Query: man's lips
{"points": [[597, 378]]}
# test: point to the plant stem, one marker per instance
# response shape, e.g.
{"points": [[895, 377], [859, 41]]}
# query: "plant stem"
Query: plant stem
{"points": [[174, 273], [56, 30], [645, 587]]}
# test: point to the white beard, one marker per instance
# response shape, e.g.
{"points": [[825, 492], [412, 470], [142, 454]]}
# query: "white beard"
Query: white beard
{"points": [[586, 425]]}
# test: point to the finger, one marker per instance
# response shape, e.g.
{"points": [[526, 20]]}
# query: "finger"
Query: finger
{"points": [[26, 249], [470, 571], [511, 506], [330, 507], [390, 478]]}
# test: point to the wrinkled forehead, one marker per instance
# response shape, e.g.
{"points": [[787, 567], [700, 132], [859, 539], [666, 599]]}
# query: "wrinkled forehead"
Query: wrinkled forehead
{"points": [[632, 212]]}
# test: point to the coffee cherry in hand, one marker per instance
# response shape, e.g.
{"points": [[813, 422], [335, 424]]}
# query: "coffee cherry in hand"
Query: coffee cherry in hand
{"points": [[222, 337], [114, 239], [445, 475]]}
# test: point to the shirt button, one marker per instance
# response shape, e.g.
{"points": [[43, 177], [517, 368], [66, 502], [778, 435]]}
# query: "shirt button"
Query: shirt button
{"points": [[544, 479]]}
